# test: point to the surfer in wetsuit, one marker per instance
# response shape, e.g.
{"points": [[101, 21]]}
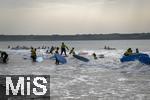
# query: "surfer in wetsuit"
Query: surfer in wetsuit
{"points": [[52, 49], [4, 56], [94, 55], [57, 52], [128, 52], [33, 54], [72, 51], [137, 50], [63, 48]]}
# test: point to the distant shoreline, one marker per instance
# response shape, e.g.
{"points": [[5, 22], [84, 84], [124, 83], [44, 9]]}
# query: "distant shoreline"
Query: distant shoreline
{"points": [[90, 37]]}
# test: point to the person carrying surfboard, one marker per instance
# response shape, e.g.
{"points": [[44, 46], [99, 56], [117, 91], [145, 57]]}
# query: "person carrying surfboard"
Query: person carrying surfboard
{"points": [[57, 52], [63, 48]]}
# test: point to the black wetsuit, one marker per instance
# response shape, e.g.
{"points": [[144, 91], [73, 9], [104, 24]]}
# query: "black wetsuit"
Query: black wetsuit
{"points": [[33, 55], [52, 49], [63, 49], [57, 61], [4, 57]]}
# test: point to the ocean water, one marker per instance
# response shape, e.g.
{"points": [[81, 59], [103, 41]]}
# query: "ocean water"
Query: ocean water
{"points": [[102, 79], [83, 45]]}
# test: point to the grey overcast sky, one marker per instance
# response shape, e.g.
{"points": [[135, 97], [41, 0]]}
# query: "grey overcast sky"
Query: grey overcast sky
{"points": [[74, 16]]}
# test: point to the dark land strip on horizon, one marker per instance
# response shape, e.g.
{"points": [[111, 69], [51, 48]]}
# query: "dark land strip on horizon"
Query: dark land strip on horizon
{"points": [[115, 36]]}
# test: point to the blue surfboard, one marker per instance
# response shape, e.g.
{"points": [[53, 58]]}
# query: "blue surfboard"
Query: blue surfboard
{"points": [[60, 58], [133, 57], [54, 58], [145, 60], [81, 58]]}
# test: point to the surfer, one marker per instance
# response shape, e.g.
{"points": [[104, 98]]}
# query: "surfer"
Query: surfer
{"points": [[33, 54], [137, 50], [57, 52], [105, 47], [51, 50], [8, 46], [72, 51], [63, 48], [4, 56], [94, 55], [128, 52]]}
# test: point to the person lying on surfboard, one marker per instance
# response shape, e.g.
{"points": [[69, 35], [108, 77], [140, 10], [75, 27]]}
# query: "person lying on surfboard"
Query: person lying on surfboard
{"points": [[57, 52], [63, 48]]}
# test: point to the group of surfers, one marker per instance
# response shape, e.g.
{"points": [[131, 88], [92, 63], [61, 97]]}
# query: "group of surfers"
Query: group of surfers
{"points": [[108, 48], [130, 52], [55, 50], [63, 50], [72, 51]]}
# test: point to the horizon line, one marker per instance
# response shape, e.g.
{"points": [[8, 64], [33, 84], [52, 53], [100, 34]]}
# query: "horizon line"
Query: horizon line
{"points": [[73, 34]]}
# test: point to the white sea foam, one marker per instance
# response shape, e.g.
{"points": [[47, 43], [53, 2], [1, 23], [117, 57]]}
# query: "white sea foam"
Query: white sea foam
{"points": [[101, 78]]}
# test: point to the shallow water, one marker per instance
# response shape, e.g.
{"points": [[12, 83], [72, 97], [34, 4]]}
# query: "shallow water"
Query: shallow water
{"points": [[103, 79], [83, 45]]}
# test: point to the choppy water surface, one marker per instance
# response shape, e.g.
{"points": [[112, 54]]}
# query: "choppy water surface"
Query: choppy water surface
{"points": [[83, 45], [103, 79]]}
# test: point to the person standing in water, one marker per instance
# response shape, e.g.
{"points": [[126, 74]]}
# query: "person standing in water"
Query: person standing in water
{"points": [[52, 49], [4, 56], [63, 48], [137, 50], [33, 54], [94, 55], [57, 52], [72, 51]]}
